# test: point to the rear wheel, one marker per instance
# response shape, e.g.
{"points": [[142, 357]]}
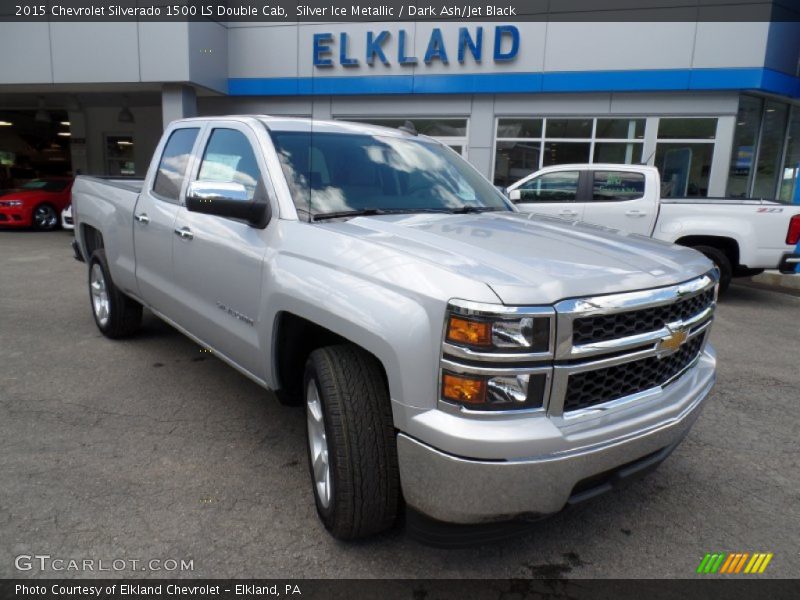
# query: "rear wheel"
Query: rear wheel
{"points": [[721, 261], [45, 217], [115, 314], [352, 452]]}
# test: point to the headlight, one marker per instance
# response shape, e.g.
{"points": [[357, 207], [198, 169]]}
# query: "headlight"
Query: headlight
{"points": [[500, 391], [498, 329], [496, 357], [12, 203]]}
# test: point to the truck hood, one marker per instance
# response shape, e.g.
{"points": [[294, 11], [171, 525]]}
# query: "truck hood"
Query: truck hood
{"points": [[530, 259]]}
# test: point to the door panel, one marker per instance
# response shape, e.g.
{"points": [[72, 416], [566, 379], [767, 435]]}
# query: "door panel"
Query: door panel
{"points": [[622, 200], [218, 260], [219, 277], [154, 219], [554, 194]]}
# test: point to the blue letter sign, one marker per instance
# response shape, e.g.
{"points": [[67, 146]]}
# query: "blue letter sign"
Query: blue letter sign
{"points": [[321, 48]]}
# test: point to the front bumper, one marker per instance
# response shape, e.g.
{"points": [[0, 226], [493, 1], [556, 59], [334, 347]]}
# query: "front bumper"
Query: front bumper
{"points": [[454, 489], [789, 263], [15, 216]]}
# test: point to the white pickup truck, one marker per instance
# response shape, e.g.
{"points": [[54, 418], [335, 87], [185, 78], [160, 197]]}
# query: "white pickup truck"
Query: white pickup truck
{"points": [[742, 237], [455, 357]]}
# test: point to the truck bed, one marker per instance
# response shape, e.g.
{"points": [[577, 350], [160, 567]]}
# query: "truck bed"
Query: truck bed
{"points": [[106, 204], [719, 200]]}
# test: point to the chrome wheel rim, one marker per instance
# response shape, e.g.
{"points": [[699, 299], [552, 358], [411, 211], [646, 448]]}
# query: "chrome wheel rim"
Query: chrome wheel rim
{"points": [[97, 285], [318, 445], [45, 217]]}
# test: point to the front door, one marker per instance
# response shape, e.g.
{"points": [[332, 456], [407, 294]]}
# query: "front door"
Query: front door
{"points": [[554, 193], [218, 260]]}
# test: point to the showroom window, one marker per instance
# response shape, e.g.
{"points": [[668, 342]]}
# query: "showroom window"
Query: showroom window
{"points": [[770, 150], [766, 151], [789, 185], [451, 132], [525, 145], [745, 140], [684, 153], [119, 155]]}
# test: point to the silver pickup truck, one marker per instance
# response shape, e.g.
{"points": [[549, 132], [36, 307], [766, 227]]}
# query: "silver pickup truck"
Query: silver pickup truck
{"points": [[456, 358]]}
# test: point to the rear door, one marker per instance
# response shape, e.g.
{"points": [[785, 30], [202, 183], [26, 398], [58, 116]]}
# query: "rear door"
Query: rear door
{"points": [[552, 193], [622, 199], [154, 219], [218, 260]]}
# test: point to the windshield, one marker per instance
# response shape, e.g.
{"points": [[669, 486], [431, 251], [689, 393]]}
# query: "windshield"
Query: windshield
{"points": [[331, 173], [46, 185]]}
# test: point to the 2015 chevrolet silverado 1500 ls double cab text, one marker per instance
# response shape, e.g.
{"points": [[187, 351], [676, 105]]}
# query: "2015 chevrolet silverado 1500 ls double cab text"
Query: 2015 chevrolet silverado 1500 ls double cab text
{"points": [[742, 237], [455, 357]]}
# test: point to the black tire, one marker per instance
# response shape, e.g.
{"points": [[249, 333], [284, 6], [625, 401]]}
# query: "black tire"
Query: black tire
{"points": [[45, 217], [722, 262], [360, 442], [122, 315]]}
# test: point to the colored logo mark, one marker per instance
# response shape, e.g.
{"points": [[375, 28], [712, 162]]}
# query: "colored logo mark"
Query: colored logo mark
{"points": [[735, 563]]}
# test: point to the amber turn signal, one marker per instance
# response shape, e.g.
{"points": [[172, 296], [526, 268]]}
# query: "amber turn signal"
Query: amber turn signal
{"points": [[465, 390], [466, 331]]}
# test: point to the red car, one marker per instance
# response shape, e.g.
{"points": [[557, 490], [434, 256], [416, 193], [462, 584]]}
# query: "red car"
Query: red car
{"points": [[36, 204]]}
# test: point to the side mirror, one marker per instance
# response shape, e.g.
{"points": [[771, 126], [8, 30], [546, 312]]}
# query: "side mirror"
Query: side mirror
{"points": [[515, 195], [226, 199]]}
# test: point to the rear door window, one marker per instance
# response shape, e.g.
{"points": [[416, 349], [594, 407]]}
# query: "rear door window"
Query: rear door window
{"points": [[617, 185], [551, 187], [174, 162]]}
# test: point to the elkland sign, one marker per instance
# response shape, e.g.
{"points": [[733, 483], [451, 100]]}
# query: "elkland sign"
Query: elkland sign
{"points": [[501, 43]]}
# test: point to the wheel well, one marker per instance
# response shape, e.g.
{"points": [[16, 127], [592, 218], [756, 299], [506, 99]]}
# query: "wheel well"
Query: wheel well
{"points": [[727, 245], [294, 340], [92, 239]]}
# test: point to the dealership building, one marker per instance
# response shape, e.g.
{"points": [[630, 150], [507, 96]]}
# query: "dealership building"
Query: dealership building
{"points": [[714, 105]]}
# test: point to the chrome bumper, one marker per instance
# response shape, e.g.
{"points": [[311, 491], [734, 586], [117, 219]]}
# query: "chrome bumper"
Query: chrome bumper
{"points": [[454, 489]]}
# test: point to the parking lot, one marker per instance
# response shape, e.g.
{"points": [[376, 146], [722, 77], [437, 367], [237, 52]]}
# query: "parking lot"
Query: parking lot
{"points": [[149, 448]]}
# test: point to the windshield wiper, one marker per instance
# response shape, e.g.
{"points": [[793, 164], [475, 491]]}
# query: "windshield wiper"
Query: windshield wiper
{"points": [[463, 210], [369, 212]]}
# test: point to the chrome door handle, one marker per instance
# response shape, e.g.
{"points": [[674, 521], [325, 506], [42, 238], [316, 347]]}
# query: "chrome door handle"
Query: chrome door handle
{"points": [[568, 213], [142, 218], [184, 233], [636, 213]]}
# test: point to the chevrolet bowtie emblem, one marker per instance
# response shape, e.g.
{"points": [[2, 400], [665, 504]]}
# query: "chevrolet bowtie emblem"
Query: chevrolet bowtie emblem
{"points": [[673, 341]]}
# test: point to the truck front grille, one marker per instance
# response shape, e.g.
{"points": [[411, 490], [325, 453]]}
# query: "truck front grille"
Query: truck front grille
{"points": [[604, 385], [602, 328], [615, 346]]}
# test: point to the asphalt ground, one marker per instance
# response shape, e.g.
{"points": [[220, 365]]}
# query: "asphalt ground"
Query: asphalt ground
{"points": [[149, 448]]}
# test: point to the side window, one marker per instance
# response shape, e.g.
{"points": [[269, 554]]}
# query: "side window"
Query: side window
{"points": [[174, 162], [229, 158], [617, 185], [551, 187]]}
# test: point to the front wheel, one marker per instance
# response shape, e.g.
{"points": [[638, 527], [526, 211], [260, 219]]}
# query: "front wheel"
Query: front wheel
{"points": [[352, 453], [115, 314], [45, 218]]}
